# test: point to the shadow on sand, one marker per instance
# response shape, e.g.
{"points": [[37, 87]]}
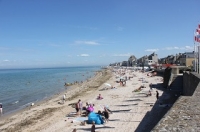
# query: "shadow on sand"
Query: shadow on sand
{"points": [[127, 105], [152, 117], [121, 110], [133, 100], [96, 128]]}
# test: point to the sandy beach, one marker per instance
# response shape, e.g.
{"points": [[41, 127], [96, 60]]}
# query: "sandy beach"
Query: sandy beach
{"points": [[128, 107]]}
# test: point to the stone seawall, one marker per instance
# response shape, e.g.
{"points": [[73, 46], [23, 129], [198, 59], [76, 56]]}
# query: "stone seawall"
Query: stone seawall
{"points": [[184, 115], [190, 83]]}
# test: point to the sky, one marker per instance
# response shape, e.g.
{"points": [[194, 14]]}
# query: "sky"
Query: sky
{"points": [[52, 33]]}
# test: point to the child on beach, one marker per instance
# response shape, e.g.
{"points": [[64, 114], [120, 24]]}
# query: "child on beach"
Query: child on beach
{"points": [[99, 97]]}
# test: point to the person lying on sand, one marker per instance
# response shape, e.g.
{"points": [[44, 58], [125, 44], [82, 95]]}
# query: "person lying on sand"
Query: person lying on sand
{"points": [[149, 93]]}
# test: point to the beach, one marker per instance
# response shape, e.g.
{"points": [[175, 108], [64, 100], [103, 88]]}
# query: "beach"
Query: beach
{"points": [[129, 105]]}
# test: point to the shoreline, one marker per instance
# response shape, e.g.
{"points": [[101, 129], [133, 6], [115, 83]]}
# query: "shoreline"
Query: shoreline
{"points": [[55, 95], [132, 110], [72, 92]]}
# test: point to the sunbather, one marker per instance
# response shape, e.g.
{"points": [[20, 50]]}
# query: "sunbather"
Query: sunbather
{"points": [[149, 93]]}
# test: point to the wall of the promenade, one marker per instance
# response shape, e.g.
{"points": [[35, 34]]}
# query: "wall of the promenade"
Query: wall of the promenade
{"points": [[184, 114], [190, 82]]}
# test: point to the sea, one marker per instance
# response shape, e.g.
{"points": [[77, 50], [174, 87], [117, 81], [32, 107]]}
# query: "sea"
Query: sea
{"points": [[21, 87]]}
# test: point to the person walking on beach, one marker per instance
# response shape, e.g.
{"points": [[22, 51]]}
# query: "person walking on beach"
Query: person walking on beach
{"points": [[1, 109], [157, 95], [64, 98]]}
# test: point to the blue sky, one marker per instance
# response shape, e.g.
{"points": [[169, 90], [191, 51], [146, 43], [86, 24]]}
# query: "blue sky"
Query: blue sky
{"points": [[51, 33]]}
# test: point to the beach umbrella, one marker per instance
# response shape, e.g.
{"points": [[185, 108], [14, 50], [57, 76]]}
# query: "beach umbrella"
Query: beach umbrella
{"points": [[107, 84]]}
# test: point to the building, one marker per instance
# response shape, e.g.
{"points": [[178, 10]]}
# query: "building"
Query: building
{"points": [[132, 61], [186, 59], [152, 59]]}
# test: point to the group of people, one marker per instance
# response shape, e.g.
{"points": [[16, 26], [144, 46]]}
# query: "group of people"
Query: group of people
{"points": [[79, 105], [89, 107]]}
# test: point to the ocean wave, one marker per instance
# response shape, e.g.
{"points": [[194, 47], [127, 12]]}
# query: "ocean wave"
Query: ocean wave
{"points": [[16, 102], [26, 105]]}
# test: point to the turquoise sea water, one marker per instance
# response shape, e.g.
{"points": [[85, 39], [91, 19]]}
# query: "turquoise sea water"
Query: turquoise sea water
{"points": [[20, 87]]}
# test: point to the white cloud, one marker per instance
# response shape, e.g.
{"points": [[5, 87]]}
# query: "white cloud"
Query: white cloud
{"points": [[179, 48], [171, 48], [87, 42], [6, 60], [151, 50], [83, 55], [189, 47], [123, 55]]}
